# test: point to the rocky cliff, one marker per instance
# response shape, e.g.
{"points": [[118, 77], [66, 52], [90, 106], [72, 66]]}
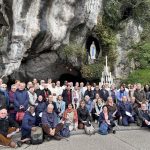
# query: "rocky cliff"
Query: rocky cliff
{"points": [[34, 31]]}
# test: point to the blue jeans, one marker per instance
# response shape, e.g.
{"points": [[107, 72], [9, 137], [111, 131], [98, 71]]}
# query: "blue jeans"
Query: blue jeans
{"points": [[126, 120]]}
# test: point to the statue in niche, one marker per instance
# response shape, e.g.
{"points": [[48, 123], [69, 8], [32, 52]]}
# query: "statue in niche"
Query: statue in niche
{"points": [[92, 52]]}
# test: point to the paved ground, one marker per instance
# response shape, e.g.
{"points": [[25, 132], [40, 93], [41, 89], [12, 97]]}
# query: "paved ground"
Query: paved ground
{"points": [[122, 140]]}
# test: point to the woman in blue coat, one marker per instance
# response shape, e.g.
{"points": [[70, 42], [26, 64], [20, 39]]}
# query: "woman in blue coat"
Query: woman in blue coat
{"points": [[106, 123], [28, 124]]}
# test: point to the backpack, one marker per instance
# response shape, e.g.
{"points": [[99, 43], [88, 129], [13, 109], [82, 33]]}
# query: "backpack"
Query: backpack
{"points": [[89, 129], [37, 136], [65, 132], [103, 130]]}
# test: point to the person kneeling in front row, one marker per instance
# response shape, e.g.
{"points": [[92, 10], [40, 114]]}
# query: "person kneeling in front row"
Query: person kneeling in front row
{"points": [[106, 122], [28, 125]]}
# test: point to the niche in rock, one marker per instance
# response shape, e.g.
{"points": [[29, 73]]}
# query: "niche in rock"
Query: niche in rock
{"points": [[127, 11], [89, 42]]}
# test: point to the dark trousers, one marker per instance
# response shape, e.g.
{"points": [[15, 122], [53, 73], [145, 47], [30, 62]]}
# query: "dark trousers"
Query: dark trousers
{"points": [[126, 120], [58, 128]]}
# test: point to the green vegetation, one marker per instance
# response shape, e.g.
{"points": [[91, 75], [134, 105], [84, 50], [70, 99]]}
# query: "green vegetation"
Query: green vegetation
{"points": [[141, 55], [139, 76], [108, 40], [92, 71], [116, 11], [74, 50]]}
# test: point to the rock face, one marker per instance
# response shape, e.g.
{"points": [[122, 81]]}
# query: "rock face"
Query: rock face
{"points": [[126, 37], [36, 31], [33, 32]]}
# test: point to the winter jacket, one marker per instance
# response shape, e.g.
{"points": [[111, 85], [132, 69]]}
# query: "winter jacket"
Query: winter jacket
{"points": [[89, 93], [67, 96], [139, 95], [5, 124], [104, 94], [4, 95], [102, 118], [21, 97], [125, 107], [40, 107], [49, 119], [83, 114], [28, 122]]}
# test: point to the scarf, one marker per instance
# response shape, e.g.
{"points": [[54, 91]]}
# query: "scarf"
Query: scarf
{"points": [[69, 111]]}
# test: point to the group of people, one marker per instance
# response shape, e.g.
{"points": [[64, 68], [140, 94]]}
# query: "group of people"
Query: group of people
{"points": [[51, 106]]}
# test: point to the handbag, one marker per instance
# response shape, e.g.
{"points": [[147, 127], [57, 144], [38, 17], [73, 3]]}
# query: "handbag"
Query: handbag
{"points": [[103, 130], [19, 116], [89, 129]]}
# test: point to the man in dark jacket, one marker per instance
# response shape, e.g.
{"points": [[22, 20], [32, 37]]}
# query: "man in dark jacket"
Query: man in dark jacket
{"points": [[21, 98], [96, 91], [89, 92], [104, 94], [139, 95], [144, 116], [2, 100], [40, 107], [7, 127], [50, 123], [126, 112], [45, 92], [67, 95]]}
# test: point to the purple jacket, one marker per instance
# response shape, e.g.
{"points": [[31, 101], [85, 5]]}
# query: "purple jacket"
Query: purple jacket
{"points": [[49, 119]]}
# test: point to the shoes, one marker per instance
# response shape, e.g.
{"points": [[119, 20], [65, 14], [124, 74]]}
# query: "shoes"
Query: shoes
{"points": [[57, 137], [28, 142], [47, 138], [19, 143], [114, 131]]}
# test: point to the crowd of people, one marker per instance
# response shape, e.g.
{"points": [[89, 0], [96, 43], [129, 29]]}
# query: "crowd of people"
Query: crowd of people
{"points": [[51, 106]]}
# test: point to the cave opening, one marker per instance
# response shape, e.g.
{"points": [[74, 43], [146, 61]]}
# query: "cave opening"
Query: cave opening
{"points": [[89, 41], [71, 78], [127, 12]]}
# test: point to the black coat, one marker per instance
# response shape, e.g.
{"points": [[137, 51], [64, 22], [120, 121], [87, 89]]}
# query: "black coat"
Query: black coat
{"points": [[5, 124], [83, 114], [65, 96], [89, 93], [104, 94], [2, 101]]}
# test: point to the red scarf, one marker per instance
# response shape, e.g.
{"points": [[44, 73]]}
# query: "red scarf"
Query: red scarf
{"points": [[69, 111]]}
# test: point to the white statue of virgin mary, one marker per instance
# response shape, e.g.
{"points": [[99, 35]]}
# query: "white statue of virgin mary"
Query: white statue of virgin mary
{"points": [[93, 51]]}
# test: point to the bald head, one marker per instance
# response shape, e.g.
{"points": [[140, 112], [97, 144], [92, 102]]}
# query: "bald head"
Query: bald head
{"points": [[3, 113], [50, 108]]}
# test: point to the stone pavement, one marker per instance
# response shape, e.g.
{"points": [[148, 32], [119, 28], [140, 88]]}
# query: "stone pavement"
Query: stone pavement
{"points": [[126, 138], [122, 140]]}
